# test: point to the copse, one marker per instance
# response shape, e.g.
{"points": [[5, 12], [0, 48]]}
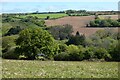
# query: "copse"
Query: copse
{"points": [[78, 39], [35, 41]]}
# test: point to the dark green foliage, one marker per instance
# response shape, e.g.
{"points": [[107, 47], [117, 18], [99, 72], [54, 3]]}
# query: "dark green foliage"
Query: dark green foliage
{"points": [[100, 53], [61, 32], [115, 52], [89, 53], [75, 53], [72, 53], [104, 23], [62, 47], [62, 57], [78, 13], [36, 41], [10, 54], [13, 31], [8, 42], [48, 17], [77, 40]]}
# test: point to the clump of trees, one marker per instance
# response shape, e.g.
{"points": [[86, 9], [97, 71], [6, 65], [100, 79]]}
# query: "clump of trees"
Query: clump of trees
{"points": [[78, 13], [61, 32], [78, 39], [104, 23], [32, 42]]}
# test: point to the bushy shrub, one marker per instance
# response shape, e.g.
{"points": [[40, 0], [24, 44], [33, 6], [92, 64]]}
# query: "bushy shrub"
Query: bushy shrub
{"points": [[11, 54], [100, 53], [62, 57], [75, 53], [115, 52], [62, 47], [89, 53]]}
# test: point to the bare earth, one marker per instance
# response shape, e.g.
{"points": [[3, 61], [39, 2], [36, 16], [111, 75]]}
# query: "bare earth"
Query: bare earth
{"points": [[79, 23]]}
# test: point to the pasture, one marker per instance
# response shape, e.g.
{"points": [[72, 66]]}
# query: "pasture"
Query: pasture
{"points": [[58, 69], [57, 15]]}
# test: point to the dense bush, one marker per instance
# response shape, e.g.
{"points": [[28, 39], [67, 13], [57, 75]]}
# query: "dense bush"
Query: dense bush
{"points": [[115, 52], [74, 53], [100, 53], [62, 47], [89, 53], [62, 57], [32, 42]]}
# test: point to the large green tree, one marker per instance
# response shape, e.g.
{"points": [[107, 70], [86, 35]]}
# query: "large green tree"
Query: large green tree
{"points": [[34, 41]]}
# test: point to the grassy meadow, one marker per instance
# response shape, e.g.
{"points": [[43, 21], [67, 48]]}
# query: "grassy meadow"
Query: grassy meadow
{"points": [[51, 15], [58, 69]]}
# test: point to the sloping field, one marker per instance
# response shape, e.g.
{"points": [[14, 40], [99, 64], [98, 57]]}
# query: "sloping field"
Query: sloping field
{"points": [[79, 23], [75, 21]]}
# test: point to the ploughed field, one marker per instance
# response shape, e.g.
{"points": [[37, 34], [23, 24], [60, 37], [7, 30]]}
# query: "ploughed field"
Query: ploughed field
{"points": [[58, 69], [79, 23]]}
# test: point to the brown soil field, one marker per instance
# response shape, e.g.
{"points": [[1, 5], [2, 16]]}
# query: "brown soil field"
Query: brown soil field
{"points": [[79, 23]]}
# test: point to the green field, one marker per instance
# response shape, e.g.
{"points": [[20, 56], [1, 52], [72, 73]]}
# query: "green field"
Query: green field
{"points": [[58, 69], [57, 15]]}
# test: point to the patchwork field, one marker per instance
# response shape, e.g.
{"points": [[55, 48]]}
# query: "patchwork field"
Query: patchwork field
{"points": [[58, 69], [79, 23]]}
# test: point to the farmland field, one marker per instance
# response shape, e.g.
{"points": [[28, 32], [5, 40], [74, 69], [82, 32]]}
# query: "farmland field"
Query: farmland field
{"points": [[79, 23], [57, 15], [60, 69]]}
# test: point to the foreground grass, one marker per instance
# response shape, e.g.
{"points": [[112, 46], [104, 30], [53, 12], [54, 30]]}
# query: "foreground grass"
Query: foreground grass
{"points": [[58, 69]]}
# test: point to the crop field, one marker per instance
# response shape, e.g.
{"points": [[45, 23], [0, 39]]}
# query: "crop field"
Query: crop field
{"points": [[57, 15], [79, 23], [58, 69]]}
